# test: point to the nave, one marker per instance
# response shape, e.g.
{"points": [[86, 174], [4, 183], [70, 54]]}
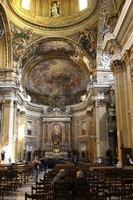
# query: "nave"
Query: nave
{"points": [[67, 181]]}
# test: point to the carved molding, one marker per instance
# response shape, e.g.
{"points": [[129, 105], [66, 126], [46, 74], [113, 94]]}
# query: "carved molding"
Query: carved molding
{"points": [[8, 75], [100, 103], [57, 23], [57, 115]]}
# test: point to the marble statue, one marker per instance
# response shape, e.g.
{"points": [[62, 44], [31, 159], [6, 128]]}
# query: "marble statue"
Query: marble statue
{"points": [[55, 9]]}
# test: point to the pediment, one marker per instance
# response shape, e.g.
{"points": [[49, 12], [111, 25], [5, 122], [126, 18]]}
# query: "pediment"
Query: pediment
{"points": [[57, 114]]}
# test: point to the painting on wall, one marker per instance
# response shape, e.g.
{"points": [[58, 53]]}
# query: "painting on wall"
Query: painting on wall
{"points": [[57, 134], [57, 78]]}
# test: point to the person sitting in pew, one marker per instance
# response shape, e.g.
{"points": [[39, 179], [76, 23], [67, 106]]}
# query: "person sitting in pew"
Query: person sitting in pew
{"points": [[62, 186]]}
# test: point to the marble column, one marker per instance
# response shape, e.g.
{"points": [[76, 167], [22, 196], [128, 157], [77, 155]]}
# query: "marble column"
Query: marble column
{"points": [[128, 59]]}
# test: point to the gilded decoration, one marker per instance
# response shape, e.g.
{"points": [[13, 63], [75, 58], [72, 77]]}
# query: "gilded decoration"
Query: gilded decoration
{"points": [[56, 16], [126, 56], [118, 66], [5, 32]]}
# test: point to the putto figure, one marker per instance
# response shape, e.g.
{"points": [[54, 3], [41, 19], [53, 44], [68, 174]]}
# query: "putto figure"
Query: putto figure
{"points": [[55, 9]]}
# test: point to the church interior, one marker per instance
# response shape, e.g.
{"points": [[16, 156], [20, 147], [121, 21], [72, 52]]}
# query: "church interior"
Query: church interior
{"points": [[66, 96]]}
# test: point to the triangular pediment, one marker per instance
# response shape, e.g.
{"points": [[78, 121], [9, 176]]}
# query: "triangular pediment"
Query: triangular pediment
{"points": [[57, 114]]}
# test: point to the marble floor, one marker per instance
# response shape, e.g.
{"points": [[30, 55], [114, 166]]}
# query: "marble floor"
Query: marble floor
{"points": [[20, 192]]}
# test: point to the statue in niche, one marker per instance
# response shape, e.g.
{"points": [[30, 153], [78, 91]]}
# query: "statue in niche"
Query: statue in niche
{"points": [[55, 9], [57, 134]]}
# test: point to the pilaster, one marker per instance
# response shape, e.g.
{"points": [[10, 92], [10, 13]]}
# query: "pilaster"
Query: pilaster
{"points": [[100, 118], [21, 133], [123, 104], [8, 128]]}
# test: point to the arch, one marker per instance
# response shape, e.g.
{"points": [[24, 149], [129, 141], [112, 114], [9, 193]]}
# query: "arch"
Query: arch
{"points": [[53, 47], [5, 42]]}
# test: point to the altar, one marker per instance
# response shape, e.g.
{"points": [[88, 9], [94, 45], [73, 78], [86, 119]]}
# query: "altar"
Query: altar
{"points": [[53, 154], [56, 141]]}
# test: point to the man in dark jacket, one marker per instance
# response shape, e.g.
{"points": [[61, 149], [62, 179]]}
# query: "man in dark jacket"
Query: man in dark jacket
{"points": [[62, 186]]}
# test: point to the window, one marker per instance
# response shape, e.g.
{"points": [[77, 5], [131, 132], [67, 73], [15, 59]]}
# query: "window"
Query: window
{"points": [[83, 127], [83, 4], [26, 4], [28, 132]]}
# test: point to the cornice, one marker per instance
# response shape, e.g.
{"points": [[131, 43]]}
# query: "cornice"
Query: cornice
{"points": [[122, 35], [76, 22]]}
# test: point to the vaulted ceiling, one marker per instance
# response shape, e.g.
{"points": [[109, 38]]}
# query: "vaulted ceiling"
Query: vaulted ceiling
{"points": [[55, 55], [55, 68], [39, 16]]}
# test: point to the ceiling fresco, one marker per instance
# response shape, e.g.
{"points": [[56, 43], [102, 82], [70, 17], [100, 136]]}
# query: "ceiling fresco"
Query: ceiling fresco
{"points": [[87, 40], [57, 80]]}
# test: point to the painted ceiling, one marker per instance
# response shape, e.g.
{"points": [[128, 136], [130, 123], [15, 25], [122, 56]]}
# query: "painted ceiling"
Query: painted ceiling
{"points": [[57, 80]]}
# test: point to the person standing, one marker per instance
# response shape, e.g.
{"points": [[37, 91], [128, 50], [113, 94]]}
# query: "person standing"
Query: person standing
{"points": [[36, 169]]}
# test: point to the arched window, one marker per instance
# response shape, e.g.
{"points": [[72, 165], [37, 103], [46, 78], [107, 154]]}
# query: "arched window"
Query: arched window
{"points": [[26, 4], [83, 4]]}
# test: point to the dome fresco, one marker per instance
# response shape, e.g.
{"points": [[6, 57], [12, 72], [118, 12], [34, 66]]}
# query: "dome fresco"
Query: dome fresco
{"points": [[58, 75]]}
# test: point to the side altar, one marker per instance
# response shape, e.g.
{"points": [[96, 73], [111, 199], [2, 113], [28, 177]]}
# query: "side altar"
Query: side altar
{"points": [[56, 133]]}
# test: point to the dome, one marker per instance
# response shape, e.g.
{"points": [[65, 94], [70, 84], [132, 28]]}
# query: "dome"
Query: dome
{"points": [[54, 15]]}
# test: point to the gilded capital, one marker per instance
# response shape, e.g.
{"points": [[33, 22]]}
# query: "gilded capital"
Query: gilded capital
{"points": [[6, 102], [126, 56], [118, 66]]}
